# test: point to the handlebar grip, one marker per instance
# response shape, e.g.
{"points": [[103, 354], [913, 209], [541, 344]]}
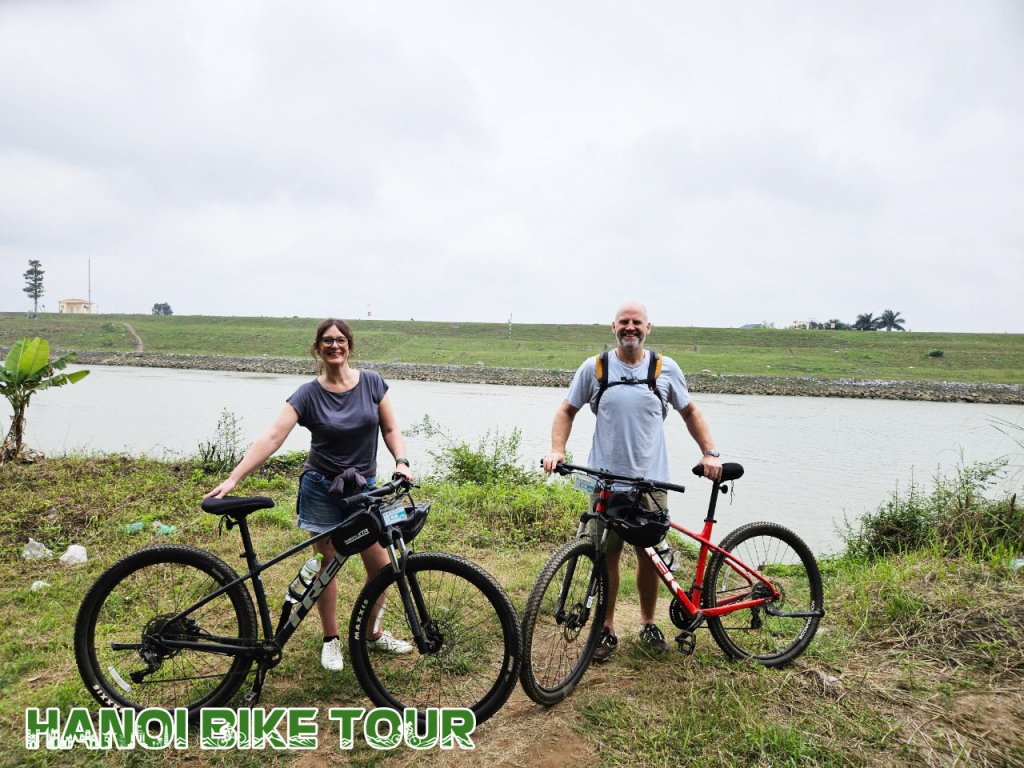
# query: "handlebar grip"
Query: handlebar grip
{"points": [[352, 501], [400, 483]]}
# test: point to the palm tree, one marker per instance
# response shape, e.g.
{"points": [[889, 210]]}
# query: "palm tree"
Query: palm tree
{"points": [[866, 322], [891, 321]]}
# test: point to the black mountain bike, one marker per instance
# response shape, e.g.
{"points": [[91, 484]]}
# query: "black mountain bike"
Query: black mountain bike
{"points": [[175, 626]]}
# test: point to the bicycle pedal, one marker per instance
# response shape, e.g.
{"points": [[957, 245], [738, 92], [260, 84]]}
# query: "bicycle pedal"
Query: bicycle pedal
{"points": [[686, 642]]}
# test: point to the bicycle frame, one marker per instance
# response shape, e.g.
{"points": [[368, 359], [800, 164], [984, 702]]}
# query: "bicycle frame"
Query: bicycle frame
{"points": [[689, 599], [273, 641]]}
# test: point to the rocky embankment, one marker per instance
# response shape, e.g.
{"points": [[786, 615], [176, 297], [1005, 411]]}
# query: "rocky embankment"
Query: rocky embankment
{"points": [[939, 391]]}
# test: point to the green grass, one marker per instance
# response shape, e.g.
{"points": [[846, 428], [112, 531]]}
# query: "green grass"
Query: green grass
{"points": [[989, 358], [919, 661]]}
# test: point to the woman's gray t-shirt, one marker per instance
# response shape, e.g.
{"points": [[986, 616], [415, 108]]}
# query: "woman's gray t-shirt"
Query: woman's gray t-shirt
{"points": [[344, 425]]}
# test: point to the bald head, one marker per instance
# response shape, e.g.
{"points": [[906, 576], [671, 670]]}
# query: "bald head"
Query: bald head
{"points": [[631, 307], [631, 327]]}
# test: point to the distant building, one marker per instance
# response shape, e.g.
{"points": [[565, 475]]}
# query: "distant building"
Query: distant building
{"points": [[75, 307]]}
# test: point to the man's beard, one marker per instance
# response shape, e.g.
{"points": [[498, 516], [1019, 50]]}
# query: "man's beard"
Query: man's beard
{"points": [[630, 340]]}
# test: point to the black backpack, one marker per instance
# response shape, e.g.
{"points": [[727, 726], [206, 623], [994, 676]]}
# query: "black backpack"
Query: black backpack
{"points": [[653, 371]]}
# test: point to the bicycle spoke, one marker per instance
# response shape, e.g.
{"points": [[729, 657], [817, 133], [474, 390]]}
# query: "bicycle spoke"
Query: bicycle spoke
{"points": [[558, 651], [784, 560], [127, 620], [469, 666]]}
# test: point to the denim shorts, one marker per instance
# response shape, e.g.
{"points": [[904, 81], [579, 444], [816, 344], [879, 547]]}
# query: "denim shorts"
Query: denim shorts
{"points": [[318, 512]]}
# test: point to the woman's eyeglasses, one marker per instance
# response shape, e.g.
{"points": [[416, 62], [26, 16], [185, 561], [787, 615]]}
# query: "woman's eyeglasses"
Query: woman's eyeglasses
{"points": [[342, 342]]}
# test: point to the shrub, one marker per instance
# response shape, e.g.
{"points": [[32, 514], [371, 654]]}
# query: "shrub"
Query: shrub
{"points": [[934, 353], [495, 458], [956, 517]]}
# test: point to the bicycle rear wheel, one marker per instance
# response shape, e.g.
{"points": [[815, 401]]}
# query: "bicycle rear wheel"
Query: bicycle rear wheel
{"points": [[759, 633], [465, 612], [126, 617], [560, 629]]}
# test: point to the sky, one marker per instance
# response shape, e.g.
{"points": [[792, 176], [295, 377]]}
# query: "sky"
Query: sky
{"points": [[724, 163]]}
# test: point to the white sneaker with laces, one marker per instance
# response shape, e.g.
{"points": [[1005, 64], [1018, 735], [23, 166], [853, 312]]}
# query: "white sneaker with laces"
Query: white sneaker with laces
{"points": [[391, 644], [330, 656]]}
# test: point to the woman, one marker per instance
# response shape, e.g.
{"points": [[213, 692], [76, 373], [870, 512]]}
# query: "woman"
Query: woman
{"points": [[343, 408]]}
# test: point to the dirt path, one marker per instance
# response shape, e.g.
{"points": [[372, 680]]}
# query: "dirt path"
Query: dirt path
{"points": [[139, 348]]}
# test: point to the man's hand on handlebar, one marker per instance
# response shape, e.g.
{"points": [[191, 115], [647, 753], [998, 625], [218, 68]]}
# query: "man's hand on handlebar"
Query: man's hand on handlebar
{"points": [[552, 460]]}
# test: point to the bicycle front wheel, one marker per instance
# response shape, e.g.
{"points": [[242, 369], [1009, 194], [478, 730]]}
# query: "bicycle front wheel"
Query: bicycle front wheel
{"points": [[773, 634], [467, 618], [127, 617], [561, 626]]}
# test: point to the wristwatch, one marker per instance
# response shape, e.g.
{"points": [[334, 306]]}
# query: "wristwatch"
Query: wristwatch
{"points": [[716, 454]]}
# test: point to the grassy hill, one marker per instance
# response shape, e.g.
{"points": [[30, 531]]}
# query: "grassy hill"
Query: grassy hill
{"points": [[978, 358]]}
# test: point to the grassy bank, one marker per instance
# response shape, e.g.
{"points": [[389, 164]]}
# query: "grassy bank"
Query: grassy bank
{"points": [[988, 358], [920, 660]]}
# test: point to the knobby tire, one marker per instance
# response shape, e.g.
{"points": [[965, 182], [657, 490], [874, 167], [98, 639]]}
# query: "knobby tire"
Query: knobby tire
{"points": [[131, 604], [477, 663], [782, 557], [557, 649]]}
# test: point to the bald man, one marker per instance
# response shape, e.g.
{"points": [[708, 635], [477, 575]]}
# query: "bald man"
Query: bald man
{"points": [[629, 439]]}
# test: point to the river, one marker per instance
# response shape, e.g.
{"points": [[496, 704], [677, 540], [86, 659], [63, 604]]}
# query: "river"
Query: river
{"points": [[810, 462]]}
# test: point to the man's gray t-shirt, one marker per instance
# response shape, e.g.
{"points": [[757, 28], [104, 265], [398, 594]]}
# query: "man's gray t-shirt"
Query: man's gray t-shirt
{"points": [[629, 437], [344, 425]]}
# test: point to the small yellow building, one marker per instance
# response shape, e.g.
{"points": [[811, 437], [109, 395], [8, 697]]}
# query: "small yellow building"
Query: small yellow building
{"points": [[75, 307]]}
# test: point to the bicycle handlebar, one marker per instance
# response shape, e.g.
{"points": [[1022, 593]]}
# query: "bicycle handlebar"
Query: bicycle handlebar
{"points": [[602, 474], [399, 484]]}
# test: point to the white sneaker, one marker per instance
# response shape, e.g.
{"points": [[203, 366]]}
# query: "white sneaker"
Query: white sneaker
{"points": [[391, 644], [330, 656]]}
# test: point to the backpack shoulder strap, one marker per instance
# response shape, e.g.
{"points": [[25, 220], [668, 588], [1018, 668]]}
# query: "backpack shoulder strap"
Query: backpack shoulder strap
{"points": [[601, 361], [653, 368], [653, 372]]}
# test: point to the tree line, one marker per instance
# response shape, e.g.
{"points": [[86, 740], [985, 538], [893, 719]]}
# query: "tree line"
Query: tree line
{"points": [[889, 320]]}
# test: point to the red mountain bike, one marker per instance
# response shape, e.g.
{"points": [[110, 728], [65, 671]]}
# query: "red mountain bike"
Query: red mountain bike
{"points": [[759, 591]]}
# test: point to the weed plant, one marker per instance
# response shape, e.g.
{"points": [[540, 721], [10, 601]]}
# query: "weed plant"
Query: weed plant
{"points": [[956, 516], [224, 450]]}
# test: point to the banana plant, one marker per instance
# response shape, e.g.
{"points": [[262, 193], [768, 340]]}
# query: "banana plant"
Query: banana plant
{"points": [[27, 370]]}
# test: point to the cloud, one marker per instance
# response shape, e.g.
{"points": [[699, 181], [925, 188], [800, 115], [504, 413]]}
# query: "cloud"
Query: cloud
{"points": [[732, 164]]}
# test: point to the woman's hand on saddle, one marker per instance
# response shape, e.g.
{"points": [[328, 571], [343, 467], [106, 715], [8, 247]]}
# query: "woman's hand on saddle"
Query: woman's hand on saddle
{"points": [[222, 490]]}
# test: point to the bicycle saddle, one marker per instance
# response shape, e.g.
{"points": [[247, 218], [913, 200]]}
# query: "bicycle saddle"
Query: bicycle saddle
{"points": [[730, 471], [236, 506]]}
